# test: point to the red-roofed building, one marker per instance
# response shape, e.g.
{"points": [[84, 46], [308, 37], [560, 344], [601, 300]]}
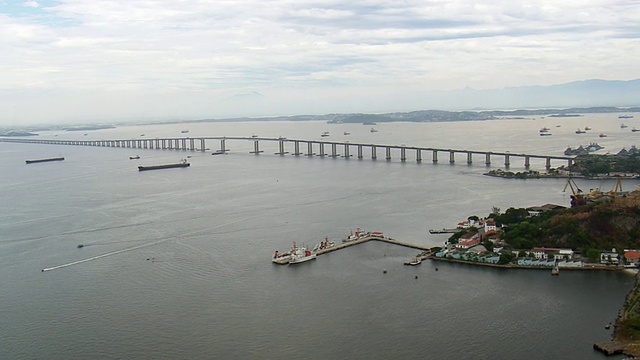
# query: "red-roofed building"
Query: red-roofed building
{"points": [[632, 257], [468, 240]]}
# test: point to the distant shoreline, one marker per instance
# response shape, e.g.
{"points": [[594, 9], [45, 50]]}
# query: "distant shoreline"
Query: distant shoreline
{"points": [[524, 176]]}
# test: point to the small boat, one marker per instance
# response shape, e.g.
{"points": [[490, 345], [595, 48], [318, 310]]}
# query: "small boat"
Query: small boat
{"points": [[546, 134], [218, 153], [634, 130], [281, 258], [608, 326], [413, 262], [373, 130], [300, 254], [59, 158], [325, 134], [544, 130], [555, 270], [602, 135], [586, 128], [134, 157], [80, 246], [625, 117], [347, 133], [623, 126], [580, 131], [181, 164], [254, 135], [184, 131], [141, 134]]}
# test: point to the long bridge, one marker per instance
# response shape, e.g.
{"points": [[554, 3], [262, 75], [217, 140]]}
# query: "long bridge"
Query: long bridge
{"points": [[299, 147]]}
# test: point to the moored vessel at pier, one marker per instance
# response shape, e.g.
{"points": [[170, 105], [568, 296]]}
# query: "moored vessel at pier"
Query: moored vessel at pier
{"points": [[300, 254]]}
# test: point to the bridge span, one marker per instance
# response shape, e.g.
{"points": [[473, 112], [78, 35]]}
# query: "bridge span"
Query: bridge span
{"points": [[299, 147]]}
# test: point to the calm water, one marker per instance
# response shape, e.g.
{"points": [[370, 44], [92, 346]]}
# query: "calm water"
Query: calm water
{"points": [[197, 281]]}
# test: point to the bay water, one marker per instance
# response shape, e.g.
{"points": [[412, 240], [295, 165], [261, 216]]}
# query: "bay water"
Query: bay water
{"points": [[178, 261]]}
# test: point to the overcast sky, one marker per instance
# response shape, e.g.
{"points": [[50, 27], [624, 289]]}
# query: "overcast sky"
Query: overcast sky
{"points": [[113, 60]]}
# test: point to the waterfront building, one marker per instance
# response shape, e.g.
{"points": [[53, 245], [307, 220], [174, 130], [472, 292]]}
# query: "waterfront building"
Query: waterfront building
{"points": [[610, 257], [556, 253], [631, 257]]}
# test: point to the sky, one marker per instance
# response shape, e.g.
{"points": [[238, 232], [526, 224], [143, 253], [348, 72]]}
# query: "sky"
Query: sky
{"points": [[80, 61]]}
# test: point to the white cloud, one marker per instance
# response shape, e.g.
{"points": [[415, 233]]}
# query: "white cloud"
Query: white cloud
{"points": [[314, 54], [31, 4]]}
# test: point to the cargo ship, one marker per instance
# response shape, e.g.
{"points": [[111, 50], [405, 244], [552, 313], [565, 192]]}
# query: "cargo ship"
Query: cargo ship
{"points": [[59, 158], [181, 164]]}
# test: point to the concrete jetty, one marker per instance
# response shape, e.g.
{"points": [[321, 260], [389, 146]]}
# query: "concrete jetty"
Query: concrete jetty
{"points": [[370, 238]]}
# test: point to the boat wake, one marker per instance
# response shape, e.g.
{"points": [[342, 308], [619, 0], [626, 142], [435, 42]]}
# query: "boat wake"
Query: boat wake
{"points": [[105, 255]]}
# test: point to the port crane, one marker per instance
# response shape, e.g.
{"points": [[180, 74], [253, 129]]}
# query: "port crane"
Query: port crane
{"points": [[577, 196]]}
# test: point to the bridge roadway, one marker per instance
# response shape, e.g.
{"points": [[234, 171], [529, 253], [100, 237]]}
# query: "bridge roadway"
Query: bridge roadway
{"points": [[313, 148]]}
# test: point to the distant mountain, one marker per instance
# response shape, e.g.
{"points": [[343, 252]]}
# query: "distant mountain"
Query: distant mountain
{"points": [[585, 93], [588, 96]]}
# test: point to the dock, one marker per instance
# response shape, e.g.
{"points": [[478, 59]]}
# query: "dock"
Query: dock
{"points": [[445, 231], [370, 238]]}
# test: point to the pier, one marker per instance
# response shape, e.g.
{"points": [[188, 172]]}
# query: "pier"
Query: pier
{"points": [[370, 238], [314, 148]]}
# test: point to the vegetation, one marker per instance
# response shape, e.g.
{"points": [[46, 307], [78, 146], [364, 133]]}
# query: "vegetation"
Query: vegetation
{"points": [[590, 228], [595, 165]]}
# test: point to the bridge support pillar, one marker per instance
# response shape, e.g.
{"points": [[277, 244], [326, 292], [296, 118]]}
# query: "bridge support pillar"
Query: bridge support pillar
{"points": [[202, 145], [310, 149], [334, 150], [359, 151], [418, 155], [548, 164], [321, 153], [469, 157], [256, 147], [184, 144], [223, 146], [452, 157], [487, 160], [346, 151], [296, 148], [192, 144], [403, 154], [281, 148], [506, 161], [527, 162], [435, 157], [388, 150], [373, 152]]}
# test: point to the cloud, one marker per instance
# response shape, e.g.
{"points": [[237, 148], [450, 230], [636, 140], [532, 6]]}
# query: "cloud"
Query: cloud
{"points": [[323, 51], [31, 4]]}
